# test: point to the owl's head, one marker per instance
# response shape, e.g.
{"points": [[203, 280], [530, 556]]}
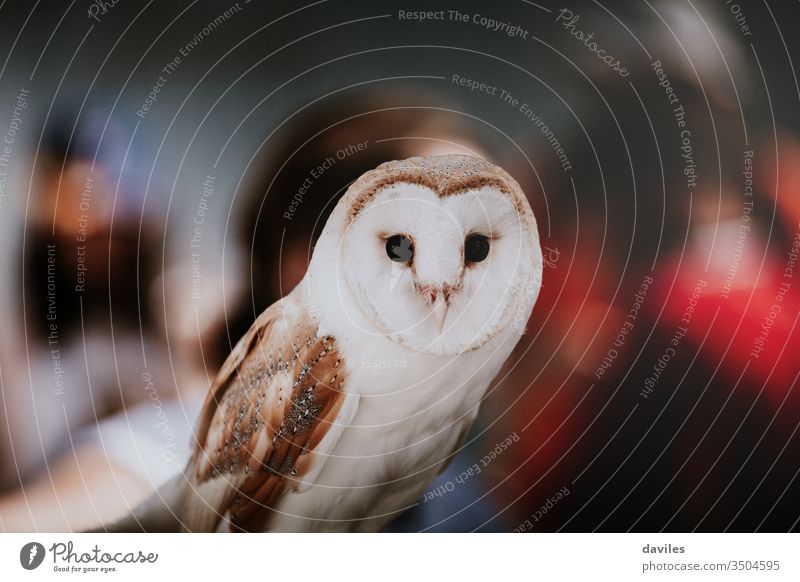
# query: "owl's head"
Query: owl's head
{"points": [[439, 254]]}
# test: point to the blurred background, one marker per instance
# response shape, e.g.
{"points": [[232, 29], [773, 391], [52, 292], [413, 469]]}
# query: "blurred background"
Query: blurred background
{"points": [[156, 194]]}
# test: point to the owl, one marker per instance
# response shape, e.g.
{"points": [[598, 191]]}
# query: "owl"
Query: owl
{"points": [[349, 395]]}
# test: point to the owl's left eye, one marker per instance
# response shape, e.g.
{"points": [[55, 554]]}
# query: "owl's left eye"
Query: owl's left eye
{"points": [[476, 248], [399, 248]]}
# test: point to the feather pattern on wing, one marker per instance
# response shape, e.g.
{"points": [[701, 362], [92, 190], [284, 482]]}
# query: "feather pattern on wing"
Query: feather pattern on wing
{"points": [[262, 432]]}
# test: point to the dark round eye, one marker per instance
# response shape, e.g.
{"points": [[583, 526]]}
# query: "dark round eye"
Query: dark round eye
{"points": [[476, 248], [399, 248]]}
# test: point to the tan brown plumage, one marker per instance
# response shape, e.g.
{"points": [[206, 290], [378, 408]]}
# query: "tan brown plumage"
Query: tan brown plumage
{"points": [[444, 175], [272, 403]]}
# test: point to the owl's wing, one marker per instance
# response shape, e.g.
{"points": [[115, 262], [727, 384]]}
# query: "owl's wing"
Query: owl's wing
{"points": [[269, 423]]}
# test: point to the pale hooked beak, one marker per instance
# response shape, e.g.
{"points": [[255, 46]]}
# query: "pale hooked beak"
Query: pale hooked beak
{"points": [[438, 299], [439, 307]]}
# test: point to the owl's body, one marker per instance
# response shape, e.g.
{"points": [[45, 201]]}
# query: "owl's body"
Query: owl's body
{"points": [[347, 397], [405, 414]]}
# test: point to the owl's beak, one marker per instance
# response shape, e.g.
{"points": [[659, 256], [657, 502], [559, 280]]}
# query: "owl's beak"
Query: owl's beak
{"points": [[439, 308], [438, 299]]}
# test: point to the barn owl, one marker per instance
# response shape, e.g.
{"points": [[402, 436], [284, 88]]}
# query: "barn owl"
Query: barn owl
{"points": [[349, 395]]}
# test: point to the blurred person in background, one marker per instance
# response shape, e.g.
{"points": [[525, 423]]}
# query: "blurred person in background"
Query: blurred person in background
{"points": [[89, 347]]}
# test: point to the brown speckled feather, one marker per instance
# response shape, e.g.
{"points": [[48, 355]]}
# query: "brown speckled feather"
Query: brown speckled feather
{"points": [[276, 397]]}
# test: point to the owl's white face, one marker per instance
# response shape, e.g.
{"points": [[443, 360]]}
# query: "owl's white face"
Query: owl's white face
{"points": [[440, 274]]}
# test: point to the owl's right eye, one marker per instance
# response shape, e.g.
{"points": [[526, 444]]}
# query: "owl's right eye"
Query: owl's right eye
{"points": [[399, 248]]}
